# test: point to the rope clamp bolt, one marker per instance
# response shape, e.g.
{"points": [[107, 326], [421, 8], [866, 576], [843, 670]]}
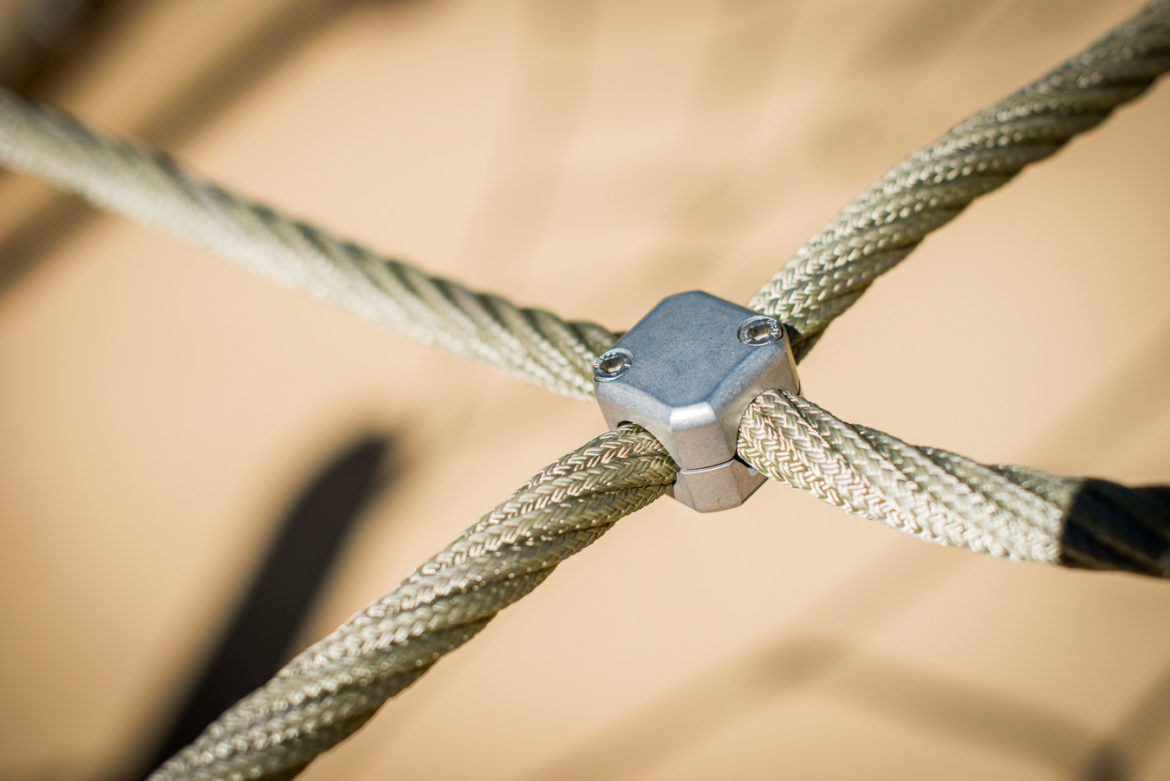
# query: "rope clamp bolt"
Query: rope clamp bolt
{"points": [[686, 373]]}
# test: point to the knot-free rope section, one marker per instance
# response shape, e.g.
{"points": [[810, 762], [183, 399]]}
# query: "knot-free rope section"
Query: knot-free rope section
{"points": [[1006, 511], [151, 188], [928, 189], [332, 688]]}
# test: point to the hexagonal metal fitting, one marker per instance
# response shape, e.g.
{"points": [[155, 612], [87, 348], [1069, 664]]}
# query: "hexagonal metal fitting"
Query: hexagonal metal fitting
{"points": [[686, 373]]}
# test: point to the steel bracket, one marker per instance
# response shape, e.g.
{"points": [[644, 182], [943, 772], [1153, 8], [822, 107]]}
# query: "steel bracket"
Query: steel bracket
{"points": [[686, 373]]}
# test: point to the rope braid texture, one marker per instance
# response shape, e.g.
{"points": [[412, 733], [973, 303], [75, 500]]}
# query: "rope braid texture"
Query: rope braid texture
{"points": [[149, 187], [1006, 511], [332, 688], [880, 227]]}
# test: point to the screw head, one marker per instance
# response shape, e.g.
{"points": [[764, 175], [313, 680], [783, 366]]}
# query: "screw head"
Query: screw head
{"points": [[612, 364], [760, 330]]}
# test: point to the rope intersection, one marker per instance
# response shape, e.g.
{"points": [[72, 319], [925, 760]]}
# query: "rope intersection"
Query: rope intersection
{"points": [[333, 687]]}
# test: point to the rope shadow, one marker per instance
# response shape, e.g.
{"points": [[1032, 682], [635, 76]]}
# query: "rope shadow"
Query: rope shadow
{"points": [[887, 687], [717, 697], [1139, 735], [894, 691], [555, 53], [810, 660], [304, 549]]}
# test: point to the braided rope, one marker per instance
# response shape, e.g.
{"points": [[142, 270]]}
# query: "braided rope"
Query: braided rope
{"points": [[147, 186], [333, 687], [880, 227], [1005, 511]]}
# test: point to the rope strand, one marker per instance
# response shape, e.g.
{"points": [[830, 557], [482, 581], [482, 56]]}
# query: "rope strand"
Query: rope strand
{"points": [[1004, 511], [882, 225], [147, 186], [333, 687]]}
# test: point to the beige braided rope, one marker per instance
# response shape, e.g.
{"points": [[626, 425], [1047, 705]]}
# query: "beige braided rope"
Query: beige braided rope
{"points": [[333, 687], [885, 223], [1005, 511], [147, 186]]}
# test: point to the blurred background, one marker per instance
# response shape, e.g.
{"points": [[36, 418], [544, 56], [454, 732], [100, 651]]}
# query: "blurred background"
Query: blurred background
{"points": [[201, 473]]}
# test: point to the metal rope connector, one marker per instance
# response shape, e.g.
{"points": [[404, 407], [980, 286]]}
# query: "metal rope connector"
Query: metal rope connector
{"points": [[686, 373]]}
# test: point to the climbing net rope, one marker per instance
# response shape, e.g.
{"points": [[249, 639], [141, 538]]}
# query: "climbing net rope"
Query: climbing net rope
{"points": [[330, 689]]}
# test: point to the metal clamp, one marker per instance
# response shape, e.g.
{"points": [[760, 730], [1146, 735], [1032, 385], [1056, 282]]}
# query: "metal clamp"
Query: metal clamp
{"points": [[686, 373]]}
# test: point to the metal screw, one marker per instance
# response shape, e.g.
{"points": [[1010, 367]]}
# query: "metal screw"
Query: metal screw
{"points": [[760, 330], [612, 364]]}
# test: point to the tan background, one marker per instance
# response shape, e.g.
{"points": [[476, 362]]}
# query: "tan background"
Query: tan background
{"points": [[158, 407]]}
